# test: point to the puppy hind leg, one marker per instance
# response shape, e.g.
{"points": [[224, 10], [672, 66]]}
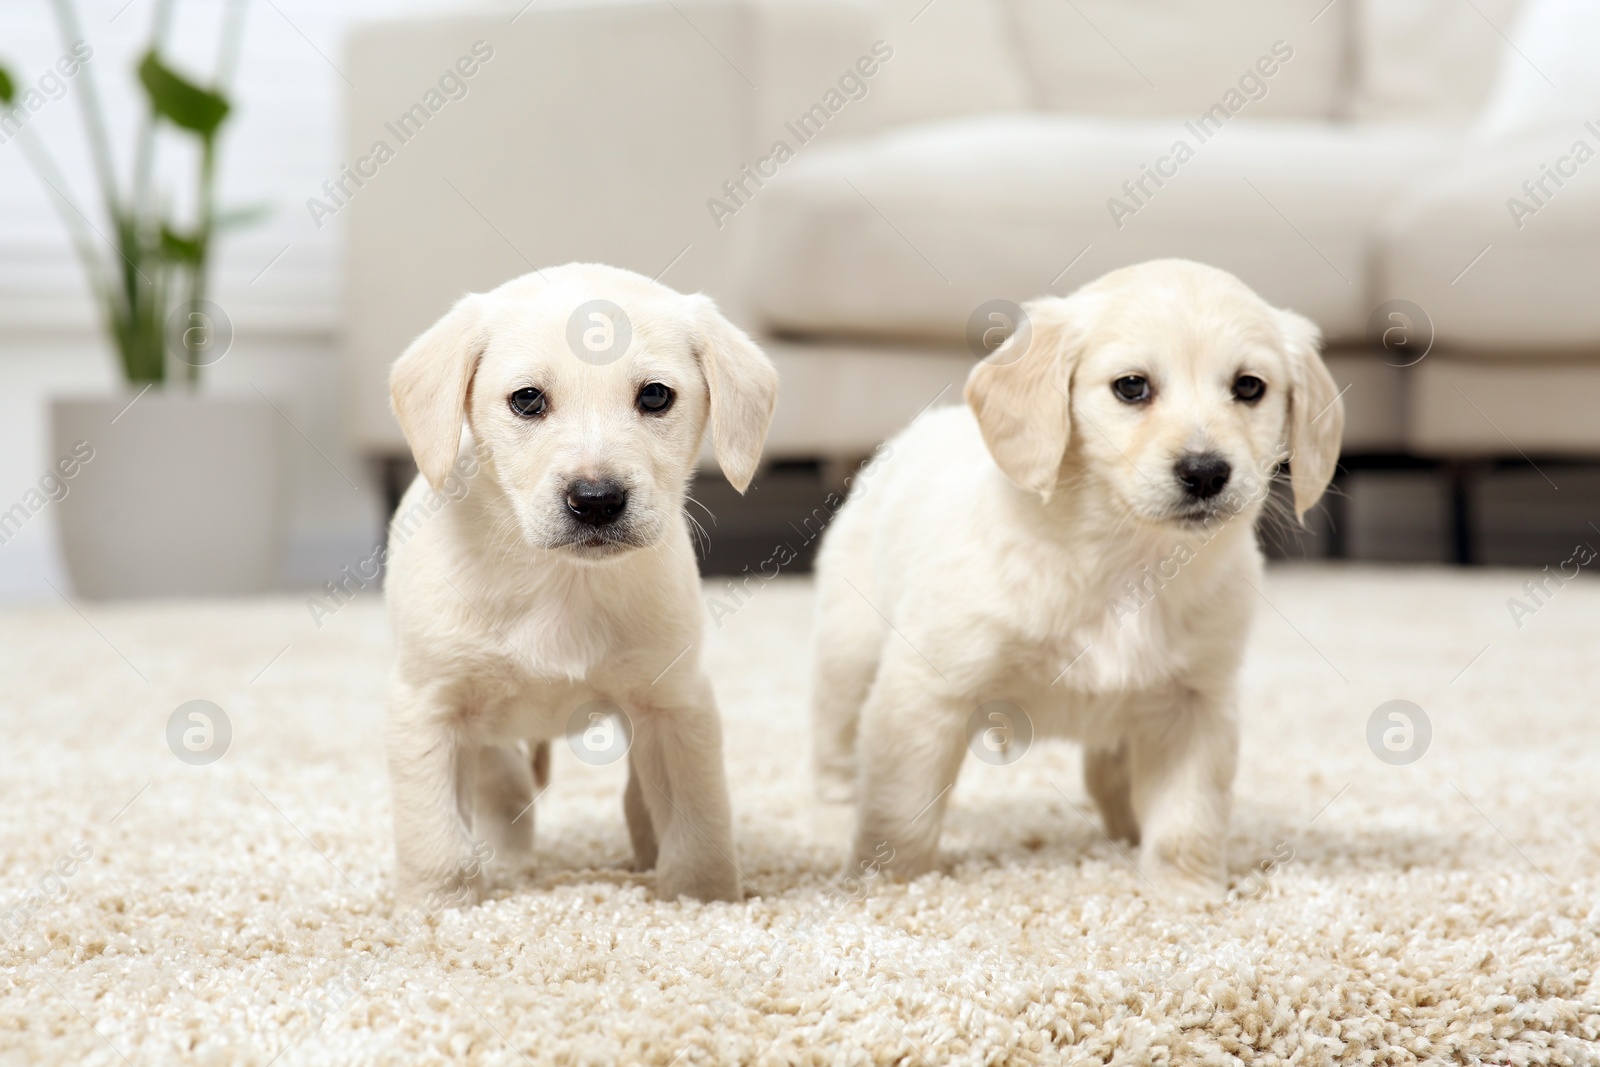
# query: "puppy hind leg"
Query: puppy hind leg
{"points": [[640, 829], [503, 801], [1107, 777], [913, 739], [539, 763], [849, 644]]}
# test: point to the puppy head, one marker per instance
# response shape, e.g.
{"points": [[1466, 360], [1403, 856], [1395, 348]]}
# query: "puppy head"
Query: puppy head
{"points": [[587, 390], [1172, 385]]}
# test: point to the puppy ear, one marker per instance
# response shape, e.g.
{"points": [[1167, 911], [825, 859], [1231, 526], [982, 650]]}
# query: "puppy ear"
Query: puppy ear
{"points": [[744, 391], [428, 387], [1316, 413], [1019, 394]]}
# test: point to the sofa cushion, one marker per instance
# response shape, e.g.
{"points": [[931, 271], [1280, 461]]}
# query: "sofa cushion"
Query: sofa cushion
{"points": [[950, 58], [905, 234], [1179, 57], [1501, 248], [1544, 407], [1500, 257], [1427, 60]]}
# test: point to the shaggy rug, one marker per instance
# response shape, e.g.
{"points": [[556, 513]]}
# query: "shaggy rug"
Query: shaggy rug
{"points": [[1414, 882]]}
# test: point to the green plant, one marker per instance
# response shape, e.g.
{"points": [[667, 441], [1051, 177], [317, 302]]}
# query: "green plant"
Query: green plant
{"points": [[154, 263]]}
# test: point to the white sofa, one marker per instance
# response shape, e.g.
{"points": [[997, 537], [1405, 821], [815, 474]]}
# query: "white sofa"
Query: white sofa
{"points": [[938, 154]]}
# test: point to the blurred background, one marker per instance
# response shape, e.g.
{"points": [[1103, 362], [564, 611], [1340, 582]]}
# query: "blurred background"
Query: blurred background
{"points": [[220, 221]]}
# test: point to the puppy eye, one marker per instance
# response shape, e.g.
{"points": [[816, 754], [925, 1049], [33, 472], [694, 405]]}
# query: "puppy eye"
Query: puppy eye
{"points": [[1133, 389], [528, 403], [655, 398], [1249, 388]]}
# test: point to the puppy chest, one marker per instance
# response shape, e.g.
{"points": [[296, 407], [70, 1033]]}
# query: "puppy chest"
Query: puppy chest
{"points": [[1111, 651], [557, 644]]}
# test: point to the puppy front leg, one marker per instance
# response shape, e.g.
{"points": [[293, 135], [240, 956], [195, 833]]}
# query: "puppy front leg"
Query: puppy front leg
{"points": [[677, 758], [436, 862], [849, 645], [913, 733], [1182, 765]]}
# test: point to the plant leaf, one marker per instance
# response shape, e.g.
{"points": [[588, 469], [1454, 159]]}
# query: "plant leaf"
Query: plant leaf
{"points": [[179, 100], [175, 246], [8, 88]]}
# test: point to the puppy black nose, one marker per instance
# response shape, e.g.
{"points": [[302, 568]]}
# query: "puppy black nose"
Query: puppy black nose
{"points": [[596, 503], [1203, 474]]}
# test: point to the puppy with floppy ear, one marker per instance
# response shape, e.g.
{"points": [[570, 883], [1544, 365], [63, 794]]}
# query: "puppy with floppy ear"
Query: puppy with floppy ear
{"points": [[1073, 551], [541, 580], [1316, 414], [428, 386], [1019, 397]]}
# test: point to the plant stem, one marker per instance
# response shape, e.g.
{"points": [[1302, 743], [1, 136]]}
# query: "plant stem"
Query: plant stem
{"points": [[89, 103], [144, 157], [132, 305]]}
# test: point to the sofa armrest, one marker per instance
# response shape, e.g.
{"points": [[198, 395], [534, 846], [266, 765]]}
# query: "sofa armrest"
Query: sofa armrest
{"points": [[483, 144]]}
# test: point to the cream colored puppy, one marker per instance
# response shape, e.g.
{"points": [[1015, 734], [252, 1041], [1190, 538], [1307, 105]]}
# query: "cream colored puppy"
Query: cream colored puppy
{"points": [[1073, 553], [562, 584]]}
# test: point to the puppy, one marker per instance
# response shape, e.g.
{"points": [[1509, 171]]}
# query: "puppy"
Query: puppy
{"points": [[558, 596], [1073, 553]]}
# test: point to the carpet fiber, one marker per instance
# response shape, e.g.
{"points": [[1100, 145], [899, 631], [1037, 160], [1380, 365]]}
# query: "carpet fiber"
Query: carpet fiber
{"points": [[1441, 910]]}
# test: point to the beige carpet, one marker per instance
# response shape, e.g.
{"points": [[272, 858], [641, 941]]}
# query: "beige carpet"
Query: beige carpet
{"points": [[1442, 911]]}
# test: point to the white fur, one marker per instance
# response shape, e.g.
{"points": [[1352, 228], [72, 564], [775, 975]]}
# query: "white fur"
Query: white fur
{"points": [[507, 619], [991, 555]]}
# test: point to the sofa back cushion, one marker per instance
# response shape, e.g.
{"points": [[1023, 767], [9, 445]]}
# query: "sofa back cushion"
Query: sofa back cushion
{"points": [[1183, 57], [1427, 60], [950, 58]]}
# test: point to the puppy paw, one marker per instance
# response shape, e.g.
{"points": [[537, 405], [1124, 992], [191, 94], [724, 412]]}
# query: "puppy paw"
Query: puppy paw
{"points": [[1185, 870], [835, 787], [645, 850], [459, 885], [899, 864], [716, 883], [1121, 825], [506, 851]]}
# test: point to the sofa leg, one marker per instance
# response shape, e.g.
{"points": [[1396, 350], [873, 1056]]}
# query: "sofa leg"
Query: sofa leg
{"points": [[1459, 476], [1338, 514], [838, 472]]}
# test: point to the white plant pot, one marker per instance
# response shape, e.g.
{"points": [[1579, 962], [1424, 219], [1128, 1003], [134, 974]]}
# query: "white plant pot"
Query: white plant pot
{"points": [[182, 496]]}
